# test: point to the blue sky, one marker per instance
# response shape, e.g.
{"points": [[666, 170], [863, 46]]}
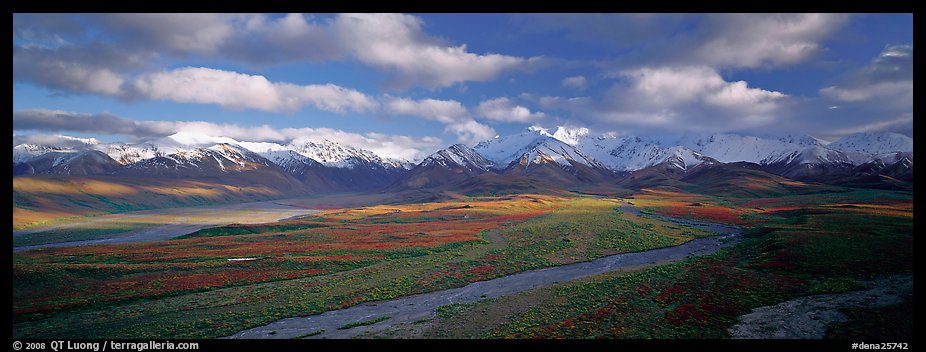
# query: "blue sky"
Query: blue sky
{"points": [[404, 85]]}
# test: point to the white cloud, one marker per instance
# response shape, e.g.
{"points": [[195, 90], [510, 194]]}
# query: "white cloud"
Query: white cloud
{"points": [[505, 110], [237, 91], [755, 40], [470, 132], [896, 51], [886, 83], [863, 93], [577, 82], [449, 112], [180, 32], [669, 98], [396, 42], [59, 120], [667, 87], [71, 69], [445, 111]]}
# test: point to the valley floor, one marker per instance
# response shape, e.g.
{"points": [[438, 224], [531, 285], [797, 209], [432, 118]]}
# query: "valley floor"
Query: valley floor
{"points": [[354, 255], [422, 307], [152, 225]]}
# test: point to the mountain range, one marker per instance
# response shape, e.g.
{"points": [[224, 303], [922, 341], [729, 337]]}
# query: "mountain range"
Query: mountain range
{"points": [[568, 158]]}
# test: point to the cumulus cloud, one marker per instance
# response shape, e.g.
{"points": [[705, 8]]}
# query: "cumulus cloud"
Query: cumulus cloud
{"points": [[445, 111], [863, 93], [667, 87], [887, 81], [236, 91], [179, 32], [505, 110], [294, 37], [756, 40], [58, 120], [577, 82], [470, 132], [656, 99], [41, 120], [105, 70], [94, 68], [396, 42], [717, 40], [868, 94], [450, 112]]}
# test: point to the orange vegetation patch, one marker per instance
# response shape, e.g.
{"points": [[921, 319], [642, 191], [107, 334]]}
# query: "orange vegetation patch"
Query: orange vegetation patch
{"points": [[688, 205]]}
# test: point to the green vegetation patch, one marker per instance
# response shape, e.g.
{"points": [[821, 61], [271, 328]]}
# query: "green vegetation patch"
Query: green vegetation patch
{"points": [[310, 334], [364, 323]]}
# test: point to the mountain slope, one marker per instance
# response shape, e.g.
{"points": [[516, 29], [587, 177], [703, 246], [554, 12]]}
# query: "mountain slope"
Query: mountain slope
{"points": [[635, 153], [537, 153], [69, 162], [445, 167], [874, 143]]}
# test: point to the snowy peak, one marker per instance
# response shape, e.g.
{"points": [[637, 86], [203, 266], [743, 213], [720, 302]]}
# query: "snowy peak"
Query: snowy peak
{"points": [[729, 148], [536, 145], [633, 153], [334, 154], [504, 150], [287, 157], [571, 136], [25, 152], [459, 155], [222, 157], [801, 140], [238, 155], [72, 162], [815, 155], [128, 153], [874, 143]]}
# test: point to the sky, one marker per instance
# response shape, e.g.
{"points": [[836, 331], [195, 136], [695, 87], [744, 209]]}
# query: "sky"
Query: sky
{"points": [[406, 85]]}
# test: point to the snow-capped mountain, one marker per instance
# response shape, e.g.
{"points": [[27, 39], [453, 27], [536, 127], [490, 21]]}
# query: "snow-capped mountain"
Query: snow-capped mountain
{"points": [[535, 146], [24, 152], [446, 166], [289, 160], [810, 162], [568, 156], [70, 162], [874, 143], [634, 153], [570, 136], [200, 161], [128, 153], [334, 154], [459, 156], [728, 148]]}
